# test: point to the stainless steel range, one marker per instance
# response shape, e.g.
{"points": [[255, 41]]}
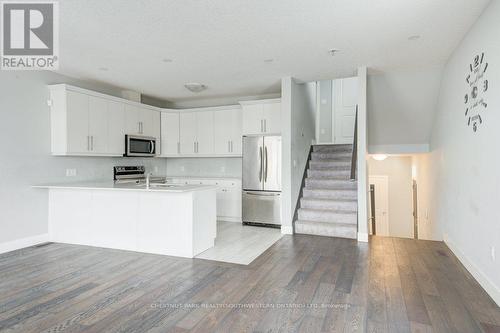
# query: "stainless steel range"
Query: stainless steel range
{"points": [[134, 174]]}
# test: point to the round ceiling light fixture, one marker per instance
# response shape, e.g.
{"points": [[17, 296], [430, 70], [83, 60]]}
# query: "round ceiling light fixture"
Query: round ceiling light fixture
{"points": [[414, 37], [104, 69], [195, 87], [379, 157], [167, 60], [268, 61]]}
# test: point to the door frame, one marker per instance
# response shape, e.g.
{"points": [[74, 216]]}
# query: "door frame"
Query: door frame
{"points": [[385, 179]]}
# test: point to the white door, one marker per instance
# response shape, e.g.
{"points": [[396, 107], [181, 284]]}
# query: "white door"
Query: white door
{"points": [[381, 184], [345, 98], [187, 121], [223, 130], [98, 125], [272, 118], [236, 133], [252, 119], [116, 128], [170, 134], [205, 132], [78, 122], [132, 117]]}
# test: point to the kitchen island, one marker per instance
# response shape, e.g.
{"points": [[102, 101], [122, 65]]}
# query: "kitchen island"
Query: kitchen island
{"points": [[176, 220]]}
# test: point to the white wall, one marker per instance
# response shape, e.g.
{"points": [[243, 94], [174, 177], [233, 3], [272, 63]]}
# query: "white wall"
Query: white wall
{"points": [[25, 154], [229, 167], [362, 164], [427, 226], [298, 108], [401, 108], [398, 171], [465, 165]]}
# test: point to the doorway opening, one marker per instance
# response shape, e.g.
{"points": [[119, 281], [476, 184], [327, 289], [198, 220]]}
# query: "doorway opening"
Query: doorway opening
{"points": [[393, 196]]}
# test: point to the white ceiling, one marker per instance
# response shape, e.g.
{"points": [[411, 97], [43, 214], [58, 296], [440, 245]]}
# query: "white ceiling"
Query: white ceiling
{"points": [[223, 43]]}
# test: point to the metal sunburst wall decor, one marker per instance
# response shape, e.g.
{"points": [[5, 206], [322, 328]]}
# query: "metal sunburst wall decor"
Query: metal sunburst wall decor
{"points": [[477, 86]]}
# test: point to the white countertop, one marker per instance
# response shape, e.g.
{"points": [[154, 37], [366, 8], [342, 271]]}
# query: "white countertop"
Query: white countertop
{"points": [[110, 185]]}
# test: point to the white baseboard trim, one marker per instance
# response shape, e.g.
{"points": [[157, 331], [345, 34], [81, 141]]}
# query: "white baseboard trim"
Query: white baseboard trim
{"points": [[492, 289], [23, 242], [287, 230], [363, 237]]}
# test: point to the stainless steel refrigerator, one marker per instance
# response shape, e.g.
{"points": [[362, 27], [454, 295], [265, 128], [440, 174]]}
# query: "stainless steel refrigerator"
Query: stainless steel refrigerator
{"points": [[262, 180]]}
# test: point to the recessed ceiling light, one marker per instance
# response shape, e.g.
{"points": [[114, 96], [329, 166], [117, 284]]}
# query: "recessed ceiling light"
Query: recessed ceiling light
{"points": [[268, 60], [167, 60], [414, 37], [333, 52], [195, 87], [104, 69]]}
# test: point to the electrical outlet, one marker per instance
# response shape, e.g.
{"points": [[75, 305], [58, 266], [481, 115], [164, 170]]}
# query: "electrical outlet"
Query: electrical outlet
{"points": [[493, 254], [70, 172]]}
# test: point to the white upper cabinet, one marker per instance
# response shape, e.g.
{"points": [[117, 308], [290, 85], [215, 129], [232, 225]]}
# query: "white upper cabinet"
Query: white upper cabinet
{"points": [[228, 131], [197, 133], [272, 118], [187, 121], [76, 131], [132, 123], [98, 124], [88, 123], [116, 128], [170, 144], [205, 132], [261, 117]]}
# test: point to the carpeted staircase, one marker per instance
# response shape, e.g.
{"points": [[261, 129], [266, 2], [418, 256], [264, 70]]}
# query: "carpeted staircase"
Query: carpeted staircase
{"points": [[328, 206]]}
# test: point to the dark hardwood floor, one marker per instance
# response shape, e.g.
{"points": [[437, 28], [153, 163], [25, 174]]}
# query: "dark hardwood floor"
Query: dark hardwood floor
{"points": [[300, 284]]}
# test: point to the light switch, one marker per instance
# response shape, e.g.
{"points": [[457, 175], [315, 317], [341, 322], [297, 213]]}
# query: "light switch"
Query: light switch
{"points": [[70, 172]]}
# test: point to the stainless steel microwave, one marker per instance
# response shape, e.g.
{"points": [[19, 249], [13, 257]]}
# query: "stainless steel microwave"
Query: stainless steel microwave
{"points": [[140, 146]]}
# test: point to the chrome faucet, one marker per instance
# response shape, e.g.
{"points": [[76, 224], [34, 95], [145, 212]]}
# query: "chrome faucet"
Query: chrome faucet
{"points": [[148, 179]]}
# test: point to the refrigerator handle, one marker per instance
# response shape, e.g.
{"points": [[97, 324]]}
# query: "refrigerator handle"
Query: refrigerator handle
{"points": [[260, 162], [265, 170]]}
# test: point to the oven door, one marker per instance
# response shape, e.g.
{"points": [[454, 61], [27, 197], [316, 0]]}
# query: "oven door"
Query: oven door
{"points": [[140, 146]]}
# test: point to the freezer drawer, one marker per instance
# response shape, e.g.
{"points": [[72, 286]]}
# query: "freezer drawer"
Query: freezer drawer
{"points": [[262, 207]]}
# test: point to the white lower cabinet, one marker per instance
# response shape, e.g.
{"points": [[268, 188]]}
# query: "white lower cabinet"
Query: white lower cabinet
{"points": [[228, 195]]}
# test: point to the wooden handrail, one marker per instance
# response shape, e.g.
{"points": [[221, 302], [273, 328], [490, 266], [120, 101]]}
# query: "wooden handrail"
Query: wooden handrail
{"points": [[354, 157]]}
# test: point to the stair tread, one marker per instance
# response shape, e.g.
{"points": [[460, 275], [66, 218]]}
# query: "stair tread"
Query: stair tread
{"points": [[329, 200], [327, 224], [331, 189], [329, 211]]}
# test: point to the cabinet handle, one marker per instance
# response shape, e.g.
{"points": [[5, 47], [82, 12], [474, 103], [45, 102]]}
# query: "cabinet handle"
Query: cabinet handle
{"points": [[261, 126], [229, 146], [265, 125], [88, 143], [194, 146], [92, 142], [232, 150], [178, 147]]}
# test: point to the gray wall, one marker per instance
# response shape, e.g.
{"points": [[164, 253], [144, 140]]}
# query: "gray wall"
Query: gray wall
{"points": [[401, 108], [25, 151], [465, 165]]}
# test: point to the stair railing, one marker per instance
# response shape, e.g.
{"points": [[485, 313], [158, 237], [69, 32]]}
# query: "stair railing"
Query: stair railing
{"points": [[354, 157]]}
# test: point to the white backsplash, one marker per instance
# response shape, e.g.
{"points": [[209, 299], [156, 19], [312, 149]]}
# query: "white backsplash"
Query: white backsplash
{"points": [[229, 167]]}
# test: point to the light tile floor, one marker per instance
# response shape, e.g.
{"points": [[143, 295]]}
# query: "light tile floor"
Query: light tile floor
{"points": [[240, 244]]}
